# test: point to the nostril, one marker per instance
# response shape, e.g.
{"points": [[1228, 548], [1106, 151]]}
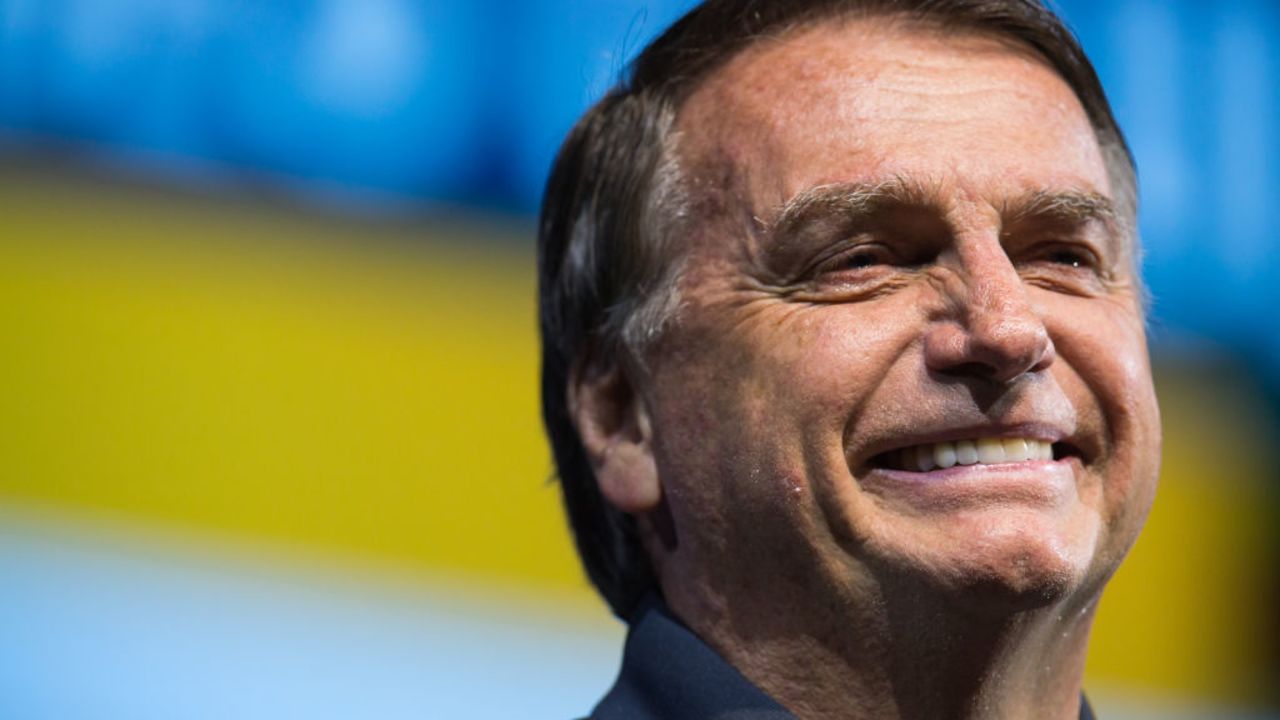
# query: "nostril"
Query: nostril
{"points": [[1011, 347], [971, 369], [1000, 349]]}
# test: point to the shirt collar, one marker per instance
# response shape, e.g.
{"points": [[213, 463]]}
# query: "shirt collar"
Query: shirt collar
{"points": [[668, 673]]}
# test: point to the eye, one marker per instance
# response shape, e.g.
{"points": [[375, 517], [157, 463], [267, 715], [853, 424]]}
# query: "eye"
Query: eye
{"points": [[852, 270], [1064, 266], [1070, 258], [854, 259], [858, 259], [1075, 257]]}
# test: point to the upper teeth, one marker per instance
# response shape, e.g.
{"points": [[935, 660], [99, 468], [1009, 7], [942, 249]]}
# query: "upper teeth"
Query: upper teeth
{"points": [[982, 451]]}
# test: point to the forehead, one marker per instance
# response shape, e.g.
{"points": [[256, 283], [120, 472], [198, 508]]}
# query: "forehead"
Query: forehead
{"points": [[869, 99]]}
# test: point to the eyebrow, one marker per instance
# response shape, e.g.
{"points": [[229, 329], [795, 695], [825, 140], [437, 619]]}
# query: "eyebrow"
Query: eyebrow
{"points": [[850, 200], [1067, 206], [854, 200]]}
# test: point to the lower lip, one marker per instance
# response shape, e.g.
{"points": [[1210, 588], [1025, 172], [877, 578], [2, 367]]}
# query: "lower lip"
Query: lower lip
{"points": [[1030, 481]]}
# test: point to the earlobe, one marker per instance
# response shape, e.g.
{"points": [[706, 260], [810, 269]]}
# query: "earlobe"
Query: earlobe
{"points": [[613, 424]]}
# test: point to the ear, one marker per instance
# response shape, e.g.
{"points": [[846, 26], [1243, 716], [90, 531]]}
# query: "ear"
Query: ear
{"points": [[614, 427]]}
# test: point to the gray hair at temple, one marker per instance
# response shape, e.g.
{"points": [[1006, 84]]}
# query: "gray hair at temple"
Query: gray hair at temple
{"points": [[616, 204]]}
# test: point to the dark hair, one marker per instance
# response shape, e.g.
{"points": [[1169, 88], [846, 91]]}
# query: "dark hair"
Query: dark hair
{"points": [[614, 200]]}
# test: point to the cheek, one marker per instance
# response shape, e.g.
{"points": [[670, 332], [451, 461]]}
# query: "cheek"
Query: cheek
{"points": [[823, 364], [1106, 349], [1106, 370], [769, 402], [717, 434]]}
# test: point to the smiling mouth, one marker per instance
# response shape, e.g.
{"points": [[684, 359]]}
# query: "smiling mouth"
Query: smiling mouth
{"points": [[977, 451]]}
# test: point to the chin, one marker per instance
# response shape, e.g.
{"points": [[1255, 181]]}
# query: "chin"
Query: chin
{"points": [[1022, 578], [1004, 564]]}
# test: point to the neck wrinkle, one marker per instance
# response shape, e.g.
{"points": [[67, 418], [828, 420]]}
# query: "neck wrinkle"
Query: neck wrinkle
{"points": [[924, 657]]}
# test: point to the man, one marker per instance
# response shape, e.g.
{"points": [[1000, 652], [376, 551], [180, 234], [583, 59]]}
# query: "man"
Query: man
{"points": [[844, 361]]}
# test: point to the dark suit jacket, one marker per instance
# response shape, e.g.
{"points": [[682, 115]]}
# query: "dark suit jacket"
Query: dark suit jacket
{"points": [[670, 674]]}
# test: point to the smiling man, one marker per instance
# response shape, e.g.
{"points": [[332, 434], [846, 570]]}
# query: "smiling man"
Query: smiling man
{"points": [[844, 361]]}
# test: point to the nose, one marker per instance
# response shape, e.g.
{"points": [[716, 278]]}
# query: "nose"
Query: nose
{"points": [[991, 330]]}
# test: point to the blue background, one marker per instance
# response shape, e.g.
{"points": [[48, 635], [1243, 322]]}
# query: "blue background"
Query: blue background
{"points": [[377, 101]]}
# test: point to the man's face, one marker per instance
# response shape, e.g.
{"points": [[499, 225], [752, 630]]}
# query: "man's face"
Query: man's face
{"points": [[907, 258]]}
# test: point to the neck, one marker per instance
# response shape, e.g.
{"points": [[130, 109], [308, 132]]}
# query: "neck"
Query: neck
{"points": [[923, 657]]}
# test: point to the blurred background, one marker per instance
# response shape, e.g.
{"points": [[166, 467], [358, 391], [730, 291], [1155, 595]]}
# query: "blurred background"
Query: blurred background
{"points": [[269, 435]]}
